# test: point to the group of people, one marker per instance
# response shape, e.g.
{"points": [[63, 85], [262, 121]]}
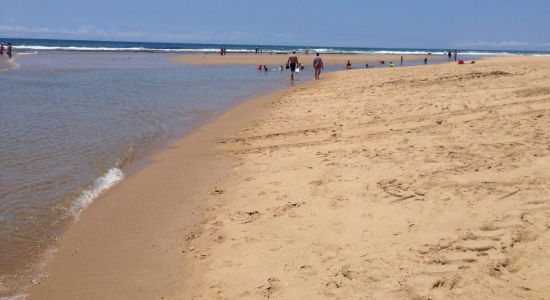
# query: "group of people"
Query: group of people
{"points": [[292, 64], [8, 50], [258, 50], [452, 54], [223, 51]]}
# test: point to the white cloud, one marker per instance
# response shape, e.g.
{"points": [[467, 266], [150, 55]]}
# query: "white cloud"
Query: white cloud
{"points": [[502, 44], [92, 32]]}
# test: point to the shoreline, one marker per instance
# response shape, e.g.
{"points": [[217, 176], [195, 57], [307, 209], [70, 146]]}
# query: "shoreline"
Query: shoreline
{"points": [[179, 251], [203, 138], [280, 59]]}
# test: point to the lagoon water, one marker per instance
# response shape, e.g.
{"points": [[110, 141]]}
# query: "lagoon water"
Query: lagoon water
{"points": [[72, 122]]}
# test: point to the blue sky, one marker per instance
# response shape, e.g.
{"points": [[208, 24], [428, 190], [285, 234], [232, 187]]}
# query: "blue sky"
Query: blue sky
{"points": [[479, 24]]}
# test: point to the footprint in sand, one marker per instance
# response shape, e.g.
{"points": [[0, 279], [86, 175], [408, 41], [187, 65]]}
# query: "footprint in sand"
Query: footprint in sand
{"points": [[285, 209], [272, 287], [244, 217]]}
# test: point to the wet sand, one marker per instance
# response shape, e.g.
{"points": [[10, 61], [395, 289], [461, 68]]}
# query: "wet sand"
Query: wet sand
{"points": [[281, 59], [426, 182]]}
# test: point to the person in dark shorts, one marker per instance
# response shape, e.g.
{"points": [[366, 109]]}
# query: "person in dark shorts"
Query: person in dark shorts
{"points": [[348, 65], [293, 63]]}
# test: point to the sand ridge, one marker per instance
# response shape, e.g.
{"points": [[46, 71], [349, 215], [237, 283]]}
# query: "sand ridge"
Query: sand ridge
{"points": [[307, 60], [415, 183]]}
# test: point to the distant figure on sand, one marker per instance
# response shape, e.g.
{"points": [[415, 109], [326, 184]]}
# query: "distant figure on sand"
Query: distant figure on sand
{"points": [[348, 65], [9, 50], [392, 65], [426, 60], [455, 55], [318, 65], [401, 59], [449, 55], [1, 49], [293, 63]]}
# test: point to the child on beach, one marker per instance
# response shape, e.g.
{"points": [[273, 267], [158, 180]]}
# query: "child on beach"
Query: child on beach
{"points": [[348, 65]]}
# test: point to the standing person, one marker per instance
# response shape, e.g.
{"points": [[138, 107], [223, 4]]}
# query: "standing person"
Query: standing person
{"points": [[456, 55], [348, 65], [9, 50], [426, 60], [307, 50], [318, 65], [449, 55], [1, 49], [401, 59], [293, 63]]}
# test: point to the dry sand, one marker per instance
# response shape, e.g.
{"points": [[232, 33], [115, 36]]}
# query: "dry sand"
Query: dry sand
{"points": [[408, 183], [281, 59]]}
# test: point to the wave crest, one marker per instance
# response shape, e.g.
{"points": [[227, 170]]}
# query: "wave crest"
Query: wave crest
{"points": [[103, 183]]}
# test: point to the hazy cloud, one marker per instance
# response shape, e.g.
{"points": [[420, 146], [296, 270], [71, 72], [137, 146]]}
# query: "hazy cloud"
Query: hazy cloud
{"points": [[92, 32], [503, 44]]}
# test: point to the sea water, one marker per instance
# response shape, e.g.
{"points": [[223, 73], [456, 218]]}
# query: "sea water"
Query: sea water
{"points": [[72, 122]]}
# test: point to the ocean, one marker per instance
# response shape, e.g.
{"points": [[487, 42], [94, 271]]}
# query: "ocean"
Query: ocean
{"points": [[75, 116], [110, 46]]}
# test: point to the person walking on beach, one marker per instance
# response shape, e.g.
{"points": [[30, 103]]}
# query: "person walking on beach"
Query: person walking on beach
{"points": [[1, 49], [318, 65], [401, 59], [9, 50], [455, 55], [449, 55], [293, 63]]}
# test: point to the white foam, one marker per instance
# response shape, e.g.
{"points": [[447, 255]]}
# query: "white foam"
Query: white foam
{"points": [[124, 49], [112, 177], [16, 297]]}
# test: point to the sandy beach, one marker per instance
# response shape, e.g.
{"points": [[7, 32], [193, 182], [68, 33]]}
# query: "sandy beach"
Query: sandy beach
{"points": [[426, 182], [281, 59]]}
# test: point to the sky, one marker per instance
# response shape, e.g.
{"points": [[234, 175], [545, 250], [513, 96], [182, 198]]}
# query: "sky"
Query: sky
{"points": [[471, 24]]}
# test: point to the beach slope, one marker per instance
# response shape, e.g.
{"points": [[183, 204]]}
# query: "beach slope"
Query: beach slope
{"points": [[426, 182], [409, 183]]}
